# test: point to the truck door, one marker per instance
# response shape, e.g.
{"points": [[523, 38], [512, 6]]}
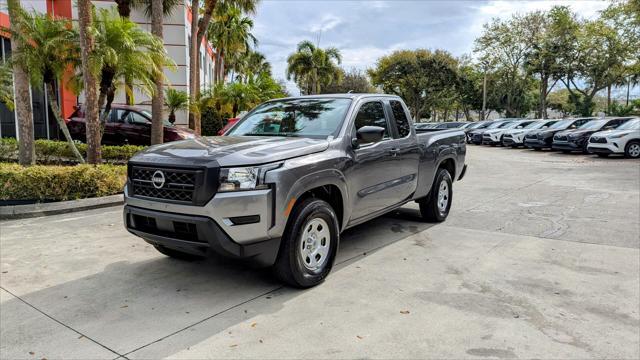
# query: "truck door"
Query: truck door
{"points": [[404, 151], [374, 179]]}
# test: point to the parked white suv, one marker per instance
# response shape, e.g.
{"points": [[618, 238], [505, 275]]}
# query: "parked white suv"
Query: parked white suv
{"points": [[515, 137], [625, 139], [494, 136]]}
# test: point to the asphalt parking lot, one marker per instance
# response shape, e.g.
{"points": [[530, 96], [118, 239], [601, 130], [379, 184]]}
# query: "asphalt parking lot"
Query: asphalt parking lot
{"points": [[539, 259]]}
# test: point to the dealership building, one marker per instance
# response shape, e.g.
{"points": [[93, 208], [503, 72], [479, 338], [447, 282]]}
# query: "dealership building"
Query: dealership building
{"points": [[176, 31]]}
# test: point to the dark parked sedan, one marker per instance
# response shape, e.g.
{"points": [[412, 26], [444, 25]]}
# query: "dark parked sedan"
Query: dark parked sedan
{"points": [[126, 125], [542, 139], [578, 139]]}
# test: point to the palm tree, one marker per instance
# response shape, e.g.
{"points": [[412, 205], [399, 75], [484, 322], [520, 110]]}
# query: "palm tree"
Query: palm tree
{"points": [[124, 10], [197, 34], [50, 46], [6, 86], [24, 113], [230, 32], [125, 51], [87, 48], [312, 67], [157, 102], [175, 100], [254, 65], [240, 96]]}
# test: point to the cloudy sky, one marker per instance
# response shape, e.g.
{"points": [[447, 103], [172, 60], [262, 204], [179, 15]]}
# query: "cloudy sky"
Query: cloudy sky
{"points": [[366, 30]]}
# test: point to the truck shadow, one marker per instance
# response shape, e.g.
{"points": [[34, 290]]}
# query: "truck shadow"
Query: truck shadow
{"points": [[158, 307]]}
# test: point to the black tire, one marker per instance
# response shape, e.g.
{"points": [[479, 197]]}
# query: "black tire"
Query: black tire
{"points": [[603, 155], [177, 254], [289, 267], [627, 149], [429, 208]]}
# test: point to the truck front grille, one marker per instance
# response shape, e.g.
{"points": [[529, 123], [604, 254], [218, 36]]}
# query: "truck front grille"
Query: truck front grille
{"points": [[179, 185]]}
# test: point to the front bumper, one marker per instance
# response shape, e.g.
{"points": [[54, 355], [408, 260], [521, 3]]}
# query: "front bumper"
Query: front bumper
{"points": [[232, 224], [536, 143], [508, 140], [194, 234], [565, 146], [608, 148], [490, 141]]}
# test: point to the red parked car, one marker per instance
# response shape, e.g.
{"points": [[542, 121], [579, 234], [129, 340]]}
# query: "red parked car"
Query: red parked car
{"points": [[230, 123], [126, 125]]}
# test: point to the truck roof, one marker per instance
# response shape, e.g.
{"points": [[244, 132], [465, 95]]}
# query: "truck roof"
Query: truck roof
{"points": [[353, 96]]}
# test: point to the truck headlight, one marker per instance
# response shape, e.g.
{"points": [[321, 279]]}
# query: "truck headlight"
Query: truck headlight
{"points": [[245, 178]]}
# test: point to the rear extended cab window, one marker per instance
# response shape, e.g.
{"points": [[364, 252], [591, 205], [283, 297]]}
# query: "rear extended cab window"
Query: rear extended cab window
{"points": [[400, 118]]}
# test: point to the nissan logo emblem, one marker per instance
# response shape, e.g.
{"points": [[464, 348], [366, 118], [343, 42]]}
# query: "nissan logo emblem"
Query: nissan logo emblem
{"points": [[157, 179]]}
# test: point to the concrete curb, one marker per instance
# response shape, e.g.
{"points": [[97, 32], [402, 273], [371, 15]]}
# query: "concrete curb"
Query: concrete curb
{"points": [[61, 207]]}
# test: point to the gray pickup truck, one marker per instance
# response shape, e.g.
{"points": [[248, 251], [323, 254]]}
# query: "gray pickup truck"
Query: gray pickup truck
{"points": [[288, 178]]}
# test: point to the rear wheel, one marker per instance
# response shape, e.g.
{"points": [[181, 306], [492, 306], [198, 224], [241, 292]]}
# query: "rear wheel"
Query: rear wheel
{"points": [[177, 254], [632, 150], [309, 244], [435, 207]]}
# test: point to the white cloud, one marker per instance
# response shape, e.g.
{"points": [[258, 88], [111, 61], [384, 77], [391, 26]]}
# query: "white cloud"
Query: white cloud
{"points": [[366, 30], [326, 23]]}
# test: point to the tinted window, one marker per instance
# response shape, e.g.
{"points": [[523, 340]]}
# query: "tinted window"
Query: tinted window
{"points": [[121, 116], [372, 114], [316, 118], [135, 118], [402, 123]]}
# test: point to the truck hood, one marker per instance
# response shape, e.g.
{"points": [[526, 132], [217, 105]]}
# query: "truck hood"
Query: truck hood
{"points": [[230, 150]]}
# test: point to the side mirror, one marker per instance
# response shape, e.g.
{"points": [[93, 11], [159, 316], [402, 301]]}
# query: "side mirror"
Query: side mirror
{"points": [[369, 134], [519, 127]]}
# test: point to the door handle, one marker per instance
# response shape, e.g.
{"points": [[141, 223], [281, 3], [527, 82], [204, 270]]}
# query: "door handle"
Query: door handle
{"points": [[394, 152]]}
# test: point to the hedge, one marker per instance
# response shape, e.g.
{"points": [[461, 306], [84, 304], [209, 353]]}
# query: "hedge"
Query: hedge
{"points": [[56, 183], [52, 152]]}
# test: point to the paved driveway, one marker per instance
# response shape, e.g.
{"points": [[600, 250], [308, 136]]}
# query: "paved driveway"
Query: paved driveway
{"points": [[539, 259]]}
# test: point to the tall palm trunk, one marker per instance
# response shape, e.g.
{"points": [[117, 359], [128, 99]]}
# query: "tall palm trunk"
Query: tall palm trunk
{"points": [[157, 102], [199, 26], [194, 55], [24, 112], [51, 99], [87, 43]]}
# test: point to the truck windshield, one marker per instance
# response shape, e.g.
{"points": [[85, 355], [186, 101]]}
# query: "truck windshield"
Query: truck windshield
{"points": [[314, 118]]}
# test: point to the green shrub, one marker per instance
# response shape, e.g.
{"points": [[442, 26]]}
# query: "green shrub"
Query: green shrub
{"points": [[41, 182], [50, 151], [211, 121]]}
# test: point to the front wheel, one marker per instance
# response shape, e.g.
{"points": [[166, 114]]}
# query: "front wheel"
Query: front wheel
{"points": [[309, 244], [632, 150], [435, 207]]}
